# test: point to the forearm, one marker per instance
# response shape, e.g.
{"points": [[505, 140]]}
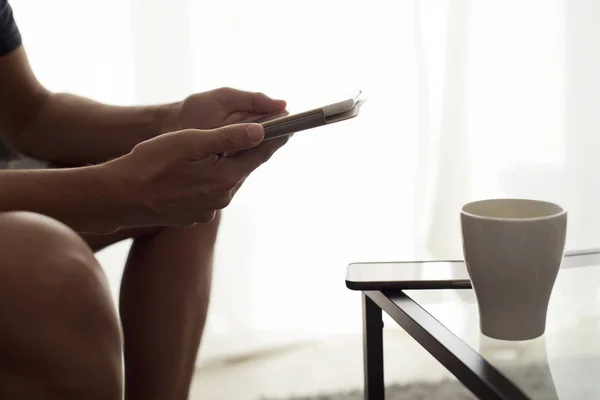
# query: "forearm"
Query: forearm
{"points": [[80, 197], [71, 130]]}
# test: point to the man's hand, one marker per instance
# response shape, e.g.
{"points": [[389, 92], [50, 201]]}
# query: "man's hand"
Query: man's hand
{"points": [[179, 179], [225, 106]]}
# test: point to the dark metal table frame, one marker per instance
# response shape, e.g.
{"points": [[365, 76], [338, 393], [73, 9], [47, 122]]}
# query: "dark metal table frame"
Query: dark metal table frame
{"points": [[479, 376]]}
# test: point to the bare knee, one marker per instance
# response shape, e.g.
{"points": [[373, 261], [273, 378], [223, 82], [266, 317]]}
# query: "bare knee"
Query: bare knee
{"points": [[60, 334]]}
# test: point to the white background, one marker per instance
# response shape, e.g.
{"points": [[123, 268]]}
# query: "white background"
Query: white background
{"points": [[467, 100]]}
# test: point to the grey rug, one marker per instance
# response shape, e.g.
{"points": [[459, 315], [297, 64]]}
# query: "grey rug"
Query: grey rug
{"points": [[566, 379], [446, 390]]}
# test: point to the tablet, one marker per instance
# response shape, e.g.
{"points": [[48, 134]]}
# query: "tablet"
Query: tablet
{"points": [[329, 114]]}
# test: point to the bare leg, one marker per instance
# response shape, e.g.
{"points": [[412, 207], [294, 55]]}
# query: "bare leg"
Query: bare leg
{"points": [[59, 332], [164, 301]]}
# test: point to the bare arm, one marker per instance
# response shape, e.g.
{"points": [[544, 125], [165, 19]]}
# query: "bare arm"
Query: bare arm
{"points": [[173, 179], [83, 198], [67, 129]]}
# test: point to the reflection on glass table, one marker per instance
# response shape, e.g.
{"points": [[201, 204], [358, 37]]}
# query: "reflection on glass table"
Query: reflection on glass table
{"points": [[562, 364]]}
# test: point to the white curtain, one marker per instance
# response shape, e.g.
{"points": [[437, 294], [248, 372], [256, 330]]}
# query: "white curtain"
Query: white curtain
{"points": [[467, 99]]}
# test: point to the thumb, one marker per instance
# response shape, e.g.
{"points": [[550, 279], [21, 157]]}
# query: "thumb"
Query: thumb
{"points": [[231, 138]]}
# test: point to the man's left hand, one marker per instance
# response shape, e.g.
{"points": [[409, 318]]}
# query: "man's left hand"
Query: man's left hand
{"points": [[226, 106]]}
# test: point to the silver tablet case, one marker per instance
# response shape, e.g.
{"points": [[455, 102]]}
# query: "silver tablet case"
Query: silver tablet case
{"points": [[314, 118]]}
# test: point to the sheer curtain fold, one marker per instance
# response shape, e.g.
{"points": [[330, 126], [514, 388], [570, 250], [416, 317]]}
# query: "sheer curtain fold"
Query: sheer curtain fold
{"points": [[467, 99], [452, 161]]}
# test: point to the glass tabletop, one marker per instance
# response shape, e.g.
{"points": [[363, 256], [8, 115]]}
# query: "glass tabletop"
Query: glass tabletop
{"points": [[564, 363]]}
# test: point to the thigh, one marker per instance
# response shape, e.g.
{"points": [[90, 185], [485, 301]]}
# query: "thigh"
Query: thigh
{"points": [[59, 331]]}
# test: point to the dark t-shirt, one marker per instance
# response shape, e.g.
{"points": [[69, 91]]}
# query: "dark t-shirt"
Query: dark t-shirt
{"points": [[10, 38]]}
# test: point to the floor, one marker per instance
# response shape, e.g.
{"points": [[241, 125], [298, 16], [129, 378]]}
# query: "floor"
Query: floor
{"points": [[330, 365]]}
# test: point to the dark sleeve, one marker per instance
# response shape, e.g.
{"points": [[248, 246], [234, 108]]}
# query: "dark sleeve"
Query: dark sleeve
{"points": [[10, 38]]}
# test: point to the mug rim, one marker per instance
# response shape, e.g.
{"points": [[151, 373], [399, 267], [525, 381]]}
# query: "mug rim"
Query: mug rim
{"points": [[560, 210]]}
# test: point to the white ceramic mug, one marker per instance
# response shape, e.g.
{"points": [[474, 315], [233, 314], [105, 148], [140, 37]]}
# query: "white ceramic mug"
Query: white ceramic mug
{"points": [[513, 249]]}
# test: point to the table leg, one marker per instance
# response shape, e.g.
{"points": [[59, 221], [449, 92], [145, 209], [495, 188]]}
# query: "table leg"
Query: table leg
{"points": [[373, 350]]}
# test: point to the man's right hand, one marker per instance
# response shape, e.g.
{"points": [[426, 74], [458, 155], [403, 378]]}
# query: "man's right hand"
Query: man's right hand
{"points": [[179, 178]]}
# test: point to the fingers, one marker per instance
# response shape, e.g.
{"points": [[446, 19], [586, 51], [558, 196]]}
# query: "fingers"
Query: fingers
{"points": [[264, 117], [257, 103], [228, 139], [248, 161]]}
